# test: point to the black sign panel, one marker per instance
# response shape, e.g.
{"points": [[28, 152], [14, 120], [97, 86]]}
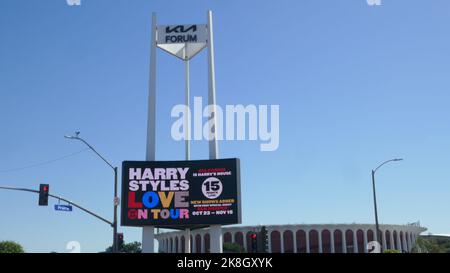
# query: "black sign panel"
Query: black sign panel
{"points": [[181, 194]]}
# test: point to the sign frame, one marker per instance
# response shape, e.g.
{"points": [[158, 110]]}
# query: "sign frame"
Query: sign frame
{"points": [[182, 41], [230, 181]]}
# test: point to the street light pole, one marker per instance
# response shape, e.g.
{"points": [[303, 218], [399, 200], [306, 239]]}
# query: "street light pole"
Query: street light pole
{"points": [[377, 227], [116, 204], [116, 198]]}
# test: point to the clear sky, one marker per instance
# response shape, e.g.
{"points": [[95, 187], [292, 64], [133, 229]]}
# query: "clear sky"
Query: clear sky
{"points": [[356, 85]]}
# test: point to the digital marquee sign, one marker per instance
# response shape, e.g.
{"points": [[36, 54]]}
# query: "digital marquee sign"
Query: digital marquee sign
{"points": [[181, 194]]}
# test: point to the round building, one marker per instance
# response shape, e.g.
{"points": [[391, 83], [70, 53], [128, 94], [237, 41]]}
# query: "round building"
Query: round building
{"points": [[322, 238]]}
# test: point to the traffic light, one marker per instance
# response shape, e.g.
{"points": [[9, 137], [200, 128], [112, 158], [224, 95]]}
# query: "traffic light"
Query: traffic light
{"points": [[254, 242], [120, 241], [43, 194], [264, 240]]}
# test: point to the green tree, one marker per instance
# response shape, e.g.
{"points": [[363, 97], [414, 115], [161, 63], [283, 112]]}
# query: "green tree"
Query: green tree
{"points": [[11, 247], [428, 245], [233, 248], [134, 247], [391, 251]]}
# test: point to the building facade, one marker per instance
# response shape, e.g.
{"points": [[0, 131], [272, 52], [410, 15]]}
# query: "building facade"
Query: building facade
{"points": [[323, 238]]}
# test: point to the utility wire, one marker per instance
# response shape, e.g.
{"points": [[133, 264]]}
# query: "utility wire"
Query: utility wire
{"points": [[44, 162]]}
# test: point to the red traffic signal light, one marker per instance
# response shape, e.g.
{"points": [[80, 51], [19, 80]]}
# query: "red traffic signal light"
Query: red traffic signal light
{"points": [[120, 241], [43, 194], [254, 243]]}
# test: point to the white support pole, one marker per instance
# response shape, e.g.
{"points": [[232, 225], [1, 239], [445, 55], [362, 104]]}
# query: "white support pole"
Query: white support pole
{"points": [[148, 233], [405, 249], [151, 121], [355, 241], [344, 242], [391, 239], [187, 117], [216, 230], [187, 240], [409, 242], [187, 122], [308, 250], [194, 244], [365, 241], [213, 145], [148, 238], [216, 239], [294, 236], [320, 241], [332, 241]]}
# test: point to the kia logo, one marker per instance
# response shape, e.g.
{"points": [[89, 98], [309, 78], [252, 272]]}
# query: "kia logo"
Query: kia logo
{"points": [[181, 29]]}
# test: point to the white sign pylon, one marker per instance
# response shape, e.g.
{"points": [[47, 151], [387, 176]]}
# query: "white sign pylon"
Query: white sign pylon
{"points": [[184, 42]]}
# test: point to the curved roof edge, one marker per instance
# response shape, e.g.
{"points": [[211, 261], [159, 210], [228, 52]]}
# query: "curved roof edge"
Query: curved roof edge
{"points": [[309, 226]]}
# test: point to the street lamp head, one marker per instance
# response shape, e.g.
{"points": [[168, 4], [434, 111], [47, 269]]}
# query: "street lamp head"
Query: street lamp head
{"points": [[382, 164], [77, 133]]}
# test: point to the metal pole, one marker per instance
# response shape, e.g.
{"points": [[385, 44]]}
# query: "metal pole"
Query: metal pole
{"points": [[377, 228], [378, 233], [216, 230], [151, 121], [95, 151], [148, 232], [187, 240], [187, 117], [187, 123], [63, 199], [81, 208], [116, 204], [213, 145]]}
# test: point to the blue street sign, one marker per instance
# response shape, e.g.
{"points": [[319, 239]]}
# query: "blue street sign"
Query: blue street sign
{"points": [[63, 207]]}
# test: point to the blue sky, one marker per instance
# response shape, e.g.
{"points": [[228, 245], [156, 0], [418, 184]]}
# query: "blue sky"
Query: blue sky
{"points": [[356, 85]]}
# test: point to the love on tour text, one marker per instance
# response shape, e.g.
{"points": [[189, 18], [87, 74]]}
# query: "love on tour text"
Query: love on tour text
{"points": [[165, 196]]}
